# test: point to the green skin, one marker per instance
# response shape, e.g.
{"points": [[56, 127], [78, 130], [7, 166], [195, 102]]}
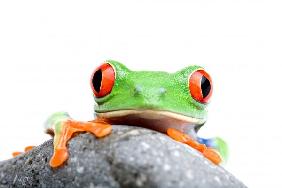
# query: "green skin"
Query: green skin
{"points": [[156, 100], [152, 90]]}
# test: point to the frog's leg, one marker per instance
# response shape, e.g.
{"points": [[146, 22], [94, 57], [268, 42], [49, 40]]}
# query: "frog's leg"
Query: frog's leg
{"points": [[63, 128], [216, 143], [209, 153]]}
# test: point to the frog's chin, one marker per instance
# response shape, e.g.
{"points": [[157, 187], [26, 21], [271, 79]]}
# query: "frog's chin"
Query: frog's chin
{"points": [[153, 119]]}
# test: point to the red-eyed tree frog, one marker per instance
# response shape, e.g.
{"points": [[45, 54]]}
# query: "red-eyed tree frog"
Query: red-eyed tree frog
{"points": [[171, 103]]}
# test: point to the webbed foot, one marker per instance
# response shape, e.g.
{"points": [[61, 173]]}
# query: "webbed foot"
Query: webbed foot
{"points": [[64, 130], [209, 153]]}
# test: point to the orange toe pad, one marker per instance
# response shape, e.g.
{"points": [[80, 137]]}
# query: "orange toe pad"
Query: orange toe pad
{"points": [[212, 155], [16, 153], [59, 157], [28, 148]]}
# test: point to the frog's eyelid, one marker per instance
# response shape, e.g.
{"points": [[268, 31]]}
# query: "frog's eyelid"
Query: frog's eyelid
{"points": [[196, 69], [114, 67]]}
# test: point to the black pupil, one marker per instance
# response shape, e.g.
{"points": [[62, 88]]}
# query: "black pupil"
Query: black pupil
{"points": [[96, 81], [205, 86]]}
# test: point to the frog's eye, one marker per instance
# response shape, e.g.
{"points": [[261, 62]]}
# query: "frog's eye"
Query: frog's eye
{"points": [[200, 85], [102, 80]]}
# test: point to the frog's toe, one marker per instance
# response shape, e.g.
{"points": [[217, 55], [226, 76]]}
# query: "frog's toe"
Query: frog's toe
{"points": [[99, 129], [16, 153], [28, 148], [212, 155], [59, 157]]}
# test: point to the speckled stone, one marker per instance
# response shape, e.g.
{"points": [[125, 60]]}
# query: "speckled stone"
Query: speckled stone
{"points": [[129, 157]]}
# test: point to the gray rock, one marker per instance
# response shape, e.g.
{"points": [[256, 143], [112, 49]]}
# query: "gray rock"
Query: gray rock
{"points": [[129, 157]]}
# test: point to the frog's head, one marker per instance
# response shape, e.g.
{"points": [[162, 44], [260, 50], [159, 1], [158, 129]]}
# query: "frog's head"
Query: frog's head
{"points": [[157, 100]]}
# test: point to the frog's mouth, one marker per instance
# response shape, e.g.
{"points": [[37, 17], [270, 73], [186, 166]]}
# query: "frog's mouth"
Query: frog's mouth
{"points": [[153, 119]]}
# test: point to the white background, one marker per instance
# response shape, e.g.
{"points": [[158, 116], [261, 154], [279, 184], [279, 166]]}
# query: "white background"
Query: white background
{"points": [[49, 49]]}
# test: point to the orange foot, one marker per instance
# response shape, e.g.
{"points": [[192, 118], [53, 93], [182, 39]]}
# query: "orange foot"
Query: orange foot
{"points": [[26, 149], [209, 153], [69, 127]]}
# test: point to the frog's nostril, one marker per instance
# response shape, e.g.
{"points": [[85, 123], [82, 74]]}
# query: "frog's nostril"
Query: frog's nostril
{"points": [[137, 90], [162, 91]]}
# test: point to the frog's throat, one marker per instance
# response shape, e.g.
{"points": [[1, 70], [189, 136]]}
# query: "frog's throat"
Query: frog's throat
{"points": [[154, 119]]}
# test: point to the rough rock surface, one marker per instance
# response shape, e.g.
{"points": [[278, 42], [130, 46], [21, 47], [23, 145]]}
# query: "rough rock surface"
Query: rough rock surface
{"points": [[129, 157]]}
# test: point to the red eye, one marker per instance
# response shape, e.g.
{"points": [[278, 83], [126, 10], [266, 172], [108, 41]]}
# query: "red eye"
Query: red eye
{"points": [[200, 85], [102, 80]]}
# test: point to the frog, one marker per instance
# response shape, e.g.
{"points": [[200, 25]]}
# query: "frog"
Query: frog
{"points": [[171, 103]]}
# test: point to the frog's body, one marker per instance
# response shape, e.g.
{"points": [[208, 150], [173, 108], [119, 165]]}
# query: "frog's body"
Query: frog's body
{"points": [[170, 103]]}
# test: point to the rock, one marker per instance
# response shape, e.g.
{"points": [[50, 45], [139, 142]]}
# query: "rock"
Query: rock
{"points": [[129, 157]]}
